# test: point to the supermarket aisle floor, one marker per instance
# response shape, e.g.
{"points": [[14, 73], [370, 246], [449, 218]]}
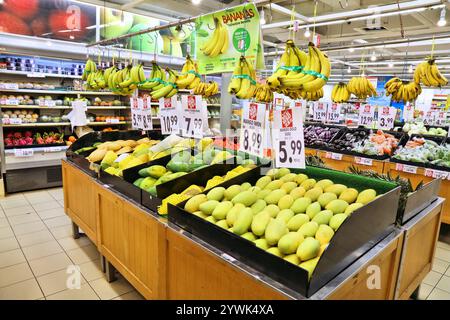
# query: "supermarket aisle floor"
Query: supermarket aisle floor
{"points": [[36, 250]]}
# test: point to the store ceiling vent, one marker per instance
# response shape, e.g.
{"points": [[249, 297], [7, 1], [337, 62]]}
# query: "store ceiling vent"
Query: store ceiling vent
{"points": [[370, 29], [226, 1]]}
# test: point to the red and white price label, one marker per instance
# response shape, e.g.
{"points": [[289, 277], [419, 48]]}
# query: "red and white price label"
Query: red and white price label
{"points": [[364, 161], [169, 114], [441, 118], [195, 116], [22, 153], [334, 156], [429, 118], [366, 115], [437, 174], [50, 103], [141, 113], [299, 104], [405, 168], [279, 103], [320, 111], [288, 138], [408, 113], [251, 138], [334, 112], [386, 117], [135, 114]]}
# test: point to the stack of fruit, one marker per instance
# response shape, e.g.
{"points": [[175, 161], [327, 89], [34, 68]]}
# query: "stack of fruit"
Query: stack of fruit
{"points": [[402, 91], [319, 135], [377, 144], [243, 80], [340, 93], [159, 85], [289, 215], [361, 87], [207, 89], [424, 151], [428, 73], [26, 116], [263, 93], [419, 128]]}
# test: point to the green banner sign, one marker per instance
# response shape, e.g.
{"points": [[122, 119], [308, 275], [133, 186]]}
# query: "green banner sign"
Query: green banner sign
{"points": [[224, 36]]}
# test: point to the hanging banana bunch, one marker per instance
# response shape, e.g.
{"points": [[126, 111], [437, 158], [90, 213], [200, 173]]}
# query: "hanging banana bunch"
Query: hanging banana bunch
{"points": [[189, 77], [125, 81], [340, 93], [263, 93], [243, 83], [428, 73], [96, 80], [361, 87], [207, 89], [90, 67], [291, 63], [155, 79], [314, 74], [402, 90], [169, 87], [311, 95]]}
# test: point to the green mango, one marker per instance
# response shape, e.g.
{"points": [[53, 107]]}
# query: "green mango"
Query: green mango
{"points": [[274, 185], [221, 210], [289, 243], [249, 236], [208, 207], [137, 183], [222, 224], [282, 172], [313, 193], [292, 258], [232, 191], [290, 177], [263, 182], [263, 193], [309, 266], [233, 213], [300, 205], [308, 249], [245, 186], [300, 178], [289, 186], [216, 193], [326, 198], [273, 210], [309, 229], [261, 243], [337, 206], [285, 202], [324, 234], [337, 220], [275, 196], [324, 183], [323, 217], [258, 206], [260, 222], [275, 251], [366, 196], [297, 192], [285, 215], [243, 221], [297, 221], [275, 229], [313, 209], [193, 204], [247, 198], [353, 207], [147, 183]]}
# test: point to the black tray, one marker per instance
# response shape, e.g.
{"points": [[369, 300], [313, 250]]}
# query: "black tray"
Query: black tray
{"points": [[401, 136], [358, 234], [419, 200], [339, 134]]}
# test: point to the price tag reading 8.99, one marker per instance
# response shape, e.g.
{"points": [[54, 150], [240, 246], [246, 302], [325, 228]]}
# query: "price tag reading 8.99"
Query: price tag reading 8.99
{"points": [[288, 138], [252, 130], [169, 113]]}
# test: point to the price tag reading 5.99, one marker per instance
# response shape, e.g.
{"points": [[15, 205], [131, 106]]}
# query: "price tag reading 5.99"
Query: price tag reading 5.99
{"points": [[252, 131], [288, 138]]}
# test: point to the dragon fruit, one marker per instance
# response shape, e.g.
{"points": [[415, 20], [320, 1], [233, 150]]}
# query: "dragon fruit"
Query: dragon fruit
{"points": [[8, 142], [29, 140], [17, 135], [28, 134]]}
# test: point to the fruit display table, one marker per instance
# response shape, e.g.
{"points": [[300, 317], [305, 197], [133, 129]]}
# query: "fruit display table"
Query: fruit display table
{"points": [[163, 261], [342, 162]]}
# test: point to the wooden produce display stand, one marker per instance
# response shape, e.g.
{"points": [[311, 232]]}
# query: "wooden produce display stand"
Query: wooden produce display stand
{"points": [[396, 169], [310, 152], [163, 261], [342, 162]]}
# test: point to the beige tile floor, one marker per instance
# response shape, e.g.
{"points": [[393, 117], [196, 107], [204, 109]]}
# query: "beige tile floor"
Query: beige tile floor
{"points": [[36, 249]]}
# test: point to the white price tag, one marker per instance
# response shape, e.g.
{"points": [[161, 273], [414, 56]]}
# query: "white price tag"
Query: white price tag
{"points": [[21, 153], [320, 111], [406, 168], [334, 156], [288, 138], [195, 116], [3, 101], [441, 118], [279, 103], [11, 86], [408, 113], [15, 121], [364, 161], [35, 75], [366, 115], [52, 149], [334, 112], [169, 113], [146, 113], [49, 103], [135, 114], [251, 139], [12, 102], [436, 174], [386, 117], [429, 118], [112, 120]]}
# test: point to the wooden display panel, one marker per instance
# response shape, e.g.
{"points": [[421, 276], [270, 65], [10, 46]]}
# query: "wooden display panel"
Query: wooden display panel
{"points": [[357, 288], [79, 199], [310, 152], [444, 192], [347, 161], [134, 242], [194, 273], [419, 246]]}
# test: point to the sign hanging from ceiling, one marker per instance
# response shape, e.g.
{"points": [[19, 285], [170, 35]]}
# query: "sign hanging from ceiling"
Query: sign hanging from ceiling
{"points": [[224, 36]]}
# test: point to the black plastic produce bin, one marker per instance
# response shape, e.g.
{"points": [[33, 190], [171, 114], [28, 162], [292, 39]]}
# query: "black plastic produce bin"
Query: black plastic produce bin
{"points": [[358, 234], [342, 131]]}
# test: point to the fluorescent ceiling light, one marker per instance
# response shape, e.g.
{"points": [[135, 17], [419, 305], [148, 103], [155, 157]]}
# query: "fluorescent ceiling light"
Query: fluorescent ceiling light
{"points": [[391, 65], [196, 2], [307, 33], [442, 22], [262, 17], [360, 41], [373, 57], [349, 70]]}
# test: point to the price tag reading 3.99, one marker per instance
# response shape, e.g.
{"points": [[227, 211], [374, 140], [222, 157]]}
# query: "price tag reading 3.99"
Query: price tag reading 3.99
{"points": [[252, 130], [386, 117], [288, 138]]}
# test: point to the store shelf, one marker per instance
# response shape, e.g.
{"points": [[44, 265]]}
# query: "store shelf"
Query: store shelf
{"points": [[213, 104], [31, 74], [48, 149], [62, 107], [95, 93], [60, 124]]}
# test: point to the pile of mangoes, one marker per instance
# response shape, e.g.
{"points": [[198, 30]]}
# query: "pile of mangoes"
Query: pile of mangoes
{"points": [[289, 215]]}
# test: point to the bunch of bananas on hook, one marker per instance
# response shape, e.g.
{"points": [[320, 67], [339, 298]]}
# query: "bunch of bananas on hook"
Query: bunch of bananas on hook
{"points": [[402, 90], [89, 68], [340, 93], [189, 77], [124, 81], [428, 73], [166, 89], [243, 84], [96, 80], [207, 89], [361, 87], [219, 42]]}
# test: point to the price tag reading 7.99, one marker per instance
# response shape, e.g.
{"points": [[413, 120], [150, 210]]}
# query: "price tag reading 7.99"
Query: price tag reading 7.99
{"points": [[288, 138], [252, 131], [195, 117]]}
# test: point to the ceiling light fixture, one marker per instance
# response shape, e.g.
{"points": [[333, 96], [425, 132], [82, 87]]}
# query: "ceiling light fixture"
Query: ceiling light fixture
{"points": [[391, 65], [442, 22], [349, 70], [410, 69], [196, 2], [307, 33], [351, 49], [262, 17], [373, 57]]}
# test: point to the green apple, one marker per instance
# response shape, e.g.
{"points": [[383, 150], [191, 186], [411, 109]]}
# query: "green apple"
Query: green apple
{"points": [[147, 40], [115, 22]]}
